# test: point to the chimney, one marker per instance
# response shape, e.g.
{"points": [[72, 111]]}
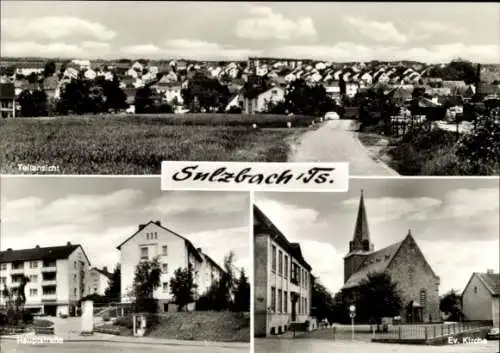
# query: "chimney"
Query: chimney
{"points": [[490, 271], [9, 249], [158, 223], [105, 269], [199, 250], [141, 226], [68, 243], [37, 246]]}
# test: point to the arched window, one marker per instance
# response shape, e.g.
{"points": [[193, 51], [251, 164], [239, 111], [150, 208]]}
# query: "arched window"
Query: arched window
{"points": [[423, 297]]}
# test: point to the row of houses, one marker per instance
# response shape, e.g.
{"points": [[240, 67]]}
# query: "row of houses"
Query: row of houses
{"points": [[60, 276], [283, 279]]}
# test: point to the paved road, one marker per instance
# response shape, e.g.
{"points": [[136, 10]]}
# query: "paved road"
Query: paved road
{"points": [[9, 346], [269, 345], [336, 141]]}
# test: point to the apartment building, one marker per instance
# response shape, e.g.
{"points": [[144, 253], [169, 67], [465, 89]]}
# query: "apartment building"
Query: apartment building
{"points": [[153, 240], [283, 280], [57, 277], [98, 280]]}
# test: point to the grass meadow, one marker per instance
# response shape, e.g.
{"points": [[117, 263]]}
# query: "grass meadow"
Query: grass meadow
{"points": [[138, 144]]}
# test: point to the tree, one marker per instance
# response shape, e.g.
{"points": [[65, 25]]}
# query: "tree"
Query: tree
{"points": [[242, 293], [450, 304], [204, 93], [322, 302], [144, 102], [378, 297], [75, 97], [182, 286], [21, 295], [146, 281], [49, 69], [304, 99], [113, 291], [33, 104]]}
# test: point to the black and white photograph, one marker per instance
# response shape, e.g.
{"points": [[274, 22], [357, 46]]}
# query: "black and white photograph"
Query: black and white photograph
{"points": [[117, 87], [116, 265], [400, 265]]}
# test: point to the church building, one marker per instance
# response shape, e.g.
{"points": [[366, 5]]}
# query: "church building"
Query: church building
{"points": [[416, 282]]}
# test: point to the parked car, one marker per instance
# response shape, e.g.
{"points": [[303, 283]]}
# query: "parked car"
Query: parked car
{"points": [[494, 334], [332, 116]]}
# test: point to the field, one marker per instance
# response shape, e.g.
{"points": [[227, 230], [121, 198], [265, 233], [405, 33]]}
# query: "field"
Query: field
{"points": [[138, 144]]}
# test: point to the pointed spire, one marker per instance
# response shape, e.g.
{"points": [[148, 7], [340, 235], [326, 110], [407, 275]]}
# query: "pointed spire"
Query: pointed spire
{"points": [[361, 238]]}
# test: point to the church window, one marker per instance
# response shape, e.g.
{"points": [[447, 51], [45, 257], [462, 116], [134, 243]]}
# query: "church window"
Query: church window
{"points": [[423, 297]]}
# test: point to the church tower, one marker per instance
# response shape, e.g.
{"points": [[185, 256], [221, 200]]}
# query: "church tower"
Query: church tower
{"points": [[360, 246]]}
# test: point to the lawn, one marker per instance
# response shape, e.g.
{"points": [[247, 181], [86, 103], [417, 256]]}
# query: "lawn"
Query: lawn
{"points": [[138, 144]]}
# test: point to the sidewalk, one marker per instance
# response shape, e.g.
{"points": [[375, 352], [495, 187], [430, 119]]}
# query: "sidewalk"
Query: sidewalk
{"points": [[101, 337]]}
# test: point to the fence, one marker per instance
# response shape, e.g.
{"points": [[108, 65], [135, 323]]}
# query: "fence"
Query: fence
{"points": [[427, 331], [401, 125]]}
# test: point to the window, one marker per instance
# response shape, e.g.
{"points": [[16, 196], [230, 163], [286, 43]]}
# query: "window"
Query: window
{"points": [[33, 292], [285, 302], [285, 270], [3, 280], [164, 250], [423, 297], [74, 264], [165, 286], [3, 267], [74, 292], [164, 268], [33, 264], [280, 263], [305, 304], [95, 289], [273, 299], [475, 290], [273, 258], [156, 235], [144, 253], [33, 278]]}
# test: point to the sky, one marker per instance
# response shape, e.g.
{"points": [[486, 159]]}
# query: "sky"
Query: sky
{"points": [[427, 32], [454, 221], [100, 213]]}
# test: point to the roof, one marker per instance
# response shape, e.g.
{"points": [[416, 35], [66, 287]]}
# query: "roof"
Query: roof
{"points": [[361, 229], [292, 248], [490, 280], [101, 271], [212, 261], [38, 253], [7, 91], [189, 245], [376, 262]]}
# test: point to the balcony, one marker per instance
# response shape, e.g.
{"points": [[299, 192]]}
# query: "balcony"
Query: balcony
{"points": [[17, 271], [49, 296], [49, 282], [49, 268]]}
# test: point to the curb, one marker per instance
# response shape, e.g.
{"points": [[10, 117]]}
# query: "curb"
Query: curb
{"points": [[151, 342]]}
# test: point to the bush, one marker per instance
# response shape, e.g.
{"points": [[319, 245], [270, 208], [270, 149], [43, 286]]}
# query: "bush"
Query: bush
{"points": [[126, 321], [27, 317]]}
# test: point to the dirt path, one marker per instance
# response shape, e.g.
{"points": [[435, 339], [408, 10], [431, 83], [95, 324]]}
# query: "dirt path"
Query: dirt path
{"points": [[336, 141]]}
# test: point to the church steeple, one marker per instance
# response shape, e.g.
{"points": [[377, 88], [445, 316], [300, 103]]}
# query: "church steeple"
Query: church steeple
{"points": [[361, 238]]}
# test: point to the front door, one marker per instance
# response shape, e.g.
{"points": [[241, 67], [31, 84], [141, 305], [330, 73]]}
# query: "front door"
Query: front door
{"points": [[294, 306]]}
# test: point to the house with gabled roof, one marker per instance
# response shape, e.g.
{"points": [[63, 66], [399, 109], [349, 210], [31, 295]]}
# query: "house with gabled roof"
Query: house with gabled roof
{"points": [[153, 240], [58, 277], [481, 298], [403, 261], [282, 280]]}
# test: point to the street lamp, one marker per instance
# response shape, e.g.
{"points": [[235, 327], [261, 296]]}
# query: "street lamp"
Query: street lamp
{"points": [[352, 314]]}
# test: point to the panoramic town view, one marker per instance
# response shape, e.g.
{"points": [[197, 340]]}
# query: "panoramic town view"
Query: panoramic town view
{"points": [[158, 271], [259, 177], [84, 92], [379, 268]]}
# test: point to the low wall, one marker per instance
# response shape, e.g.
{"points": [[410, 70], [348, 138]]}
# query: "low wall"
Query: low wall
{"points": [[458, 338]]}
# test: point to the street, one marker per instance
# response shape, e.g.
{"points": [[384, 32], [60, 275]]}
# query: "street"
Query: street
{"points": [[336, 141], [269, 345], [11, 346]]}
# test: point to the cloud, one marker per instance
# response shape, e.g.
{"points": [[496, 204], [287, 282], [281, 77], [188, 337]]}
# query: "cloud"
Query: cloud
{"points": [[55, 28], [346, 51], [88, 49], [189, 48], [374, 30], [72, 208], [454, 263], [427, 29], [266, 24]]}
